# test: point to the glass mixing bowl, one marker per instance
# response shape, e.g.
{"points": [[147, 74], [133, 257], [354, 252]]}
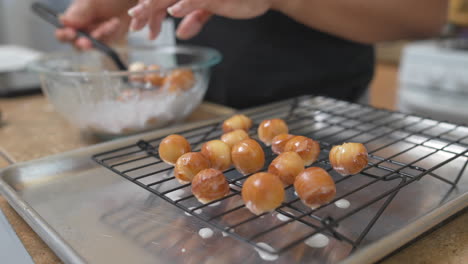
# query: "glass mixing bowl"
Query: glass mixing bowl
{"points": [[89, 92]]}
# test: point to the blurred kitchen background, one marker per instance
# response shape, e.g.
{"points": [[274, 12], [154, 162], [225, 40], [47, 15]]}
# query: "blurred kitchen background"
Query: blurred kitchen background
{"points": [[429, 77]]}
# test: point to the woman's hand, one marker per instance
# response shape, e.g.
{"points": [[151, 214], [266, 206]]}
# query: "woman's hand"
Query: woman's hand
{"points": [[366, 21], [195, 13], [106, 20]]}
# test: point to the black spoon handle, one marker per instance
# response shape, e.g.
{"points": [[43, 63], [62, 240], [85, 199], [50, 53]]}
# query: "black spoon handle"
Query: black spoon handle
{"points": [[51, 16]]}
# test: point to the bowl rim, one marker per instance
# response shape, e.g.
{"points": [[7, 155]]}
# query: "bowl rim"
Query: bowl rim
{"points": [[213, 57]]}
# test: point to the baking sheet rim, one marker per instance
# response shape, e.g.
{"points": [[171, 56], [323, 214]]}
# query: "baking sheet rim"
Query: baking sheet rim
{"points": [[368, 254]]}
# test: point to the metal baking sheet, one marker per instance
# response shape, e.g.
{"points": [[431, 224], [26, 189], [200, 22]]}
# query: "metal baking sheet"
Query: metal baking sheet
{"points": [[88, 214]]}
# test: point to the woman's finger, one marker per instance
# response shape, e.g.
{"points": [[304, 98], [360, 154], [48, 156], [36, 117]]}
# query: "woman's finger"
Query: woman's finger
{"points": [[239, 9], [140, 17], [184, 7], [65, 34], [59, 34], [159, 5], [155, 23], [79, 15], [139, 23], [139, 8], [83, 43], [193, 23], [106, 29]]}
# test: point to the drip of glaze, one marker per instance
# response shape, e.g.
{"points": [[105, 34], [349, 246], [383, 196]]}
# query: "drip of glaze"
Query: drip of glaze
{"points": [[198, 211], [215, 204], [265, 255], [282, 217], [205, 232], [175, 195], [342, 203], [226, 234], [317, 241], [235, 187]]}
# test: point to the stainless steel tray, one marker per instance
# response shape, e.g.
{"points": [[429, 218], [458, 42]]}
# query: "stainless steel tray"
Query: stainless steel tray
{"points": [[86, 213]]}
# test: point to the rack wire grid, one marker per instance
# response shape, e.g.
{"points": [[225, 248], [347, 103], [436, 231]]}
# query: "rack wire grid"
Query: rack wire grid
{"points": [[402, 149]]}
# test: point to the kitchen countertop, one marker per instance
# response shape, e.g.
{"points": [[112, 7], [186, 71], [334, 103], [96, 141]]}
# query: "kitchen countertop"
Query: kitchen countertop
{"points": [[31, 129]]}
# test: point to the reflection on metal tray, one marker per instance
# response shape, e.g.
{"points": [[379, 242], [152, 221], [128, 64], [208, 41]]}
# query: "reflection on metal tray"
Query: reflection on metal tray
{"points": [[416, 178]]}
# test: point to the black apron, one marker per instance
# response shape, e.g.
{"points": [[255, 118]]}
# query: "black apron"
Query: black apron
{"points": [[273, 57]]}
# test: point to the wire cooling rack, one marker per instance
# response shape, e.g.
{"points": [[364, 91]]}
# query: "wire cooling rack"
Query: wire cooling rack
{"points": [[402, 149]]}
